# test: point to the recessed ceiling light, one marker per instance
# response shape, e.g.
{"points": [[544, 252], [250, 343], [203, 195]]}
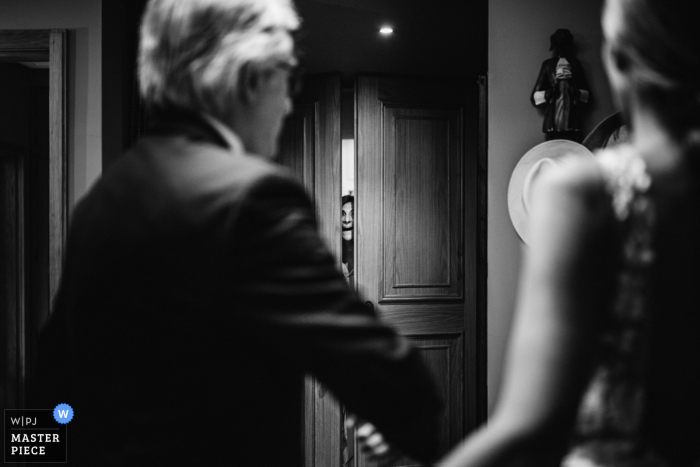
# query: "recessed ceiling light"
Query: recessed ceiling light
{"points": [[386, 30]]}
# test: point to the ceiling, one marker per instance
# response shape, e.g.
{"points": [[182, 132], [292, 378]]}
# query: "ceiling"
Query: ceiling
{"points": [[438, 38]]}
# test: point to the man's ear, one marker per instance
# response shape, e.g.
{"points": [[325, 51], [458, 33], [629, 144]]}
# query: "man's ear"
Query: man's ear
{"points": [[249, 84]]}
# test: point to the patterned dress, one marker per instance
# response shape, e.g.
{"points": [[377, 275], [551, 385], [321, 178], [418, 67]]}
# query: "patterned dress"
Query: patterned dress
{"points": [[608, 430]]}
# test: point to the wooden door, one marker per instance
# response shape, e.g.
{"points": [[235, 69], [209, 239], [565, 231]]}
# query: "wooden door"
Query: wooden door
{"points": [[416, 227], [310, 146]]}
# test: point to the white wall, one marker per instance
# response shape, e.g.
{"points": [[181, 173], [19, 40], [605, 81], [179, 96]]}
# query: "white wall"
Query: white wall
{"points": [[519, 32], [83, 20]]}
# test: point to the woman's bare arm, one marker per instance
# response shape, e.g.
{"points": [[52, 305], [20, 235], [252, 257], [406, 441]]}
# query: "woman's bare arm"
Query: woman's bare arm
{"points": [[552, 340]]}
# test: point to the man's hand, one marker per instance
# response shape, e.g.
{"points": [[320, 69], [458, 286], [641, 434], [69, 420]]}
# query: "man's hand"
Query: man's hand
{"points": [[372, 443]]}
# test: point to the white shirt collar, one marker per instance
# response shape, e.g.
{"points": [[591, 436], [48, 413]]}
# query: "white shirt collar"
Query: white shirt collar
{"points": [[231, 138]]}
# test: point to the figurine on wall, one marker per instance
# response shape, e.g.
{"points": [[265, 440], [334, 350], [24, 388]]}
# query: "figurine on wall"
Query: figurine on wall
{"points": [[562, 87]]}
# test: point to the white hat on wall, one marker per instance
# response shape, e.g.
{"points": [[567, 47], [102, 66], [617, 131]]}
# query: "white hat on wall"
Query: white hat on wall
{"points": [[526, 172]]}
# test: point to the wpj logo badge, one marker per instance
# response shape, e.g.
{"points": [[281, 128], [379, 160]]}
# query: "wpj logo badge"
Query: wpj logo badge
{"points": [[37, 435]]}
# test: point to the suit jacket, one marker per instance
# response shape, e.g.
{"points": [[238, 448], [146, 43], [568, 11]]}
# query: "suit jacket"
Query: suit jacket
{"points": [[196, 294]]}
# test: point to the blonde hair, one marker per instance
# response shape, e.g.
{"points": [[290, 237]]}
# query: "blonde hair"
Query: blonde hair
{"points": [[657, 47], [191, 52]]}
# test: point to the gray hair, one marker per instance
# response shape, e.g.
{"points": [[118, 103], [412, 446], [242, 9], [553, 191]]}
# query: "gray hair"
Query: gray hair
{"points": [[192, 51]]}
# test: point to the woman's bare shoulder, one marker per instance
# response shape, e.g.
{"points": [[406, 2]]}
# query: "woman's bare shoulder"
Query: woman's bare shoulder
{"points": [[576, 187], [575, 174]]}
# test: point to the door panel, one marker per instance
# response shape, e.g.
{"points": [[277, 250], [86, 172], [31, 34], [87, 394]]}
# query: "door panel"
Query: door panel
{"points": [[298, 144], [310, 146], [443, 355], [421, 197], [411, 219]]}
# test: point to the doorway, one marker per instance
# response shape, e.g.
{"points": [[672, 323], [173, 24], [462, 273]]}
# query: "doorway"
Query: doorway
{"points": [[436, 296], [33, 195], [415, 155]]}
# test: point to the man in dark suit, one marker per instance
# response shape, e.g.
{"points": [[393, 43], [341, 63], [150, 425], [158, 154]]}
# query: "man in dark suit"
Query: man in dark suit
{"points": [[197, 291]]}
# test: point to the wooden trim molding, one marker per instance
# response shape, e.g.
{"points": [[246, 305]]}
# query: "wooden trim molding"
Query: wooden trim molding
{"points": [[24, 46], [58, 160]]}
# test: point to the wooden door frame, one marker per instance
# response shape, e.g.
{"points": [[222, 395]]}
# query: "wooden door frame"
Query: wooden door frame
{"points": [[480, 326], [42, 46]]}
